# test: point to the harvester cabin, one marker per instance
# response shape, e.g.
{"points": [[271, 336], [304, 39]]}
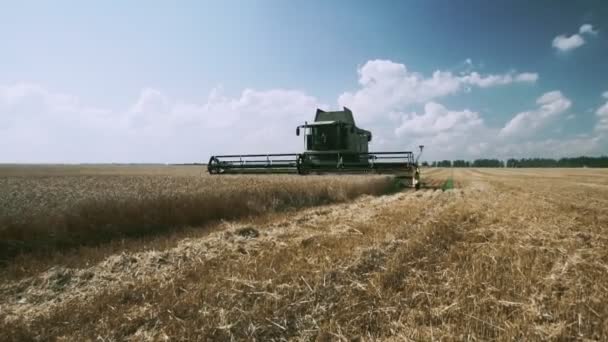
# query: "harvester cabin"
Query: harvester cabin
{"points": [[336, 131]]}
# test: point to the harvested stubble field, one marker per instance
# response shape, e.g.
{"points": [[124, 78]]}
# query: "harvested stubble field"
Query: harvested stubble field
{"points": [[507, 254]]}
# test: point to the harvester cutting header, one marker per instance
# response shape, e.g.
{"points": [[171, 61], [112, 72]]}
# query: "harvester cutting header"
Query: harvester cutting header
{"points": [[333, 144]]}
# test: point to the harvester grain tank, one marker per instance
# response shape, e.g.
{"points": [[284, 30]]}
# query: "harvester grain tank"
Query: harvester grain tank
{"points": [[333, 144]]}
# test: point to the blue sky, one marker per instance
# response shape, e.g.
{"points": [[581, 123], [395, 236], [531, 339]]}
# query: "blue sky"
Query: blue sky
{"points": [[159, 81]]}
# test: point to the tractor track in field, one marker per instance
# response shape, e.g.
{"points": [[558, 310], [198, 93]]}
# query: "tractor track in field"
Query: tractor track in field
{"points": [[39, 296]]}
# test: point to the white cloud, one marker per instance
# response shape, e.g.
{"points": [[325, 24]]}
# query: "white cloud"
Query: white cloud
{"points": [[448, 133], [512, 140], [28, 98], [564, 43], [551, 105], [527, 77], [437, 119], [567, 43], [454, 134], [495, 80], [587, 28], [149, 108], [602, 114], [387, 86], [37, 125]]}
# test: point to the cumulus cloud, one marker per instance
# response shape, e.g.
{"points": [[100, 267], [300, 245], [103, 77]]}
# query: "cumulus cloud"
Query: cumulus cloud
{"points": [[527, 77], [495, 80], [516, 138], [451, 133], [602, 114], [387, 86], [587, 28], [551, 105], [149, 108], [454, 134], [567, 43], [37, 125], [437, 119]]}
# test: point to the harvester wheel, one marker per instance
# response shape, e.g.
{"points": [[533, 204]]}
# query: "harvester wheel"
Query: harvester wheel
{"points": [[300, 165]]}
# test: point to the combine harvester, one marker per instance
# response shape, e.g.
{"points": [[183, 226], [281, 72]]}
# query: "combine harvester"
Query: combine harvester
{"points": [[334, 144]]}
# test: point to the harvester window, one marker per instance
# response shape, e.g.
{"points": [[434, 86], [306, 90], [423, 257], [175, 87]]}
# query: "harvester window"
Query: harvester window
{"points": [[324, 138]]}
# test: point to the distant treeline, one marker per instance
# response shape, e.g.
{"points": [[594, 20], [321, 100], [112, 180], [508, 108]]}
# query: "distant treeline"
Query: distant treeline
{"points": [[524, 162]]}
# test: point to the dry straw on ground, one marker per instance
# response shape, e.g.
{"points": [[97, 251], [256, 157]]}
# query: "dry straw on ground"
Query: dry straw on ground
{"points": [[506, 255]]}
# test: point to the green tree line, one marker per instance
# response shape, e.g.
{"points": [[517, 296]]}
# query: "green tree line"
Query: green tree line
{"points": [[524, 162]]}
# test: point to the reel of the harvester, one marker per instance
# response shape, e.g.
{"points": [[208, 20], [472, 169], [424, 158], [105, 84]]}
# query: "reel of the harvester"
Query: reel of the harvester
{"points": [[253, 163]]}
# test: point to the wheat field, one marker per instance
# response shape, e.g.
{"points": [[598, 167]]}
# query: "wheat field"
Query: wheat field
{"points": [[51, 208], [505, 255]]}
